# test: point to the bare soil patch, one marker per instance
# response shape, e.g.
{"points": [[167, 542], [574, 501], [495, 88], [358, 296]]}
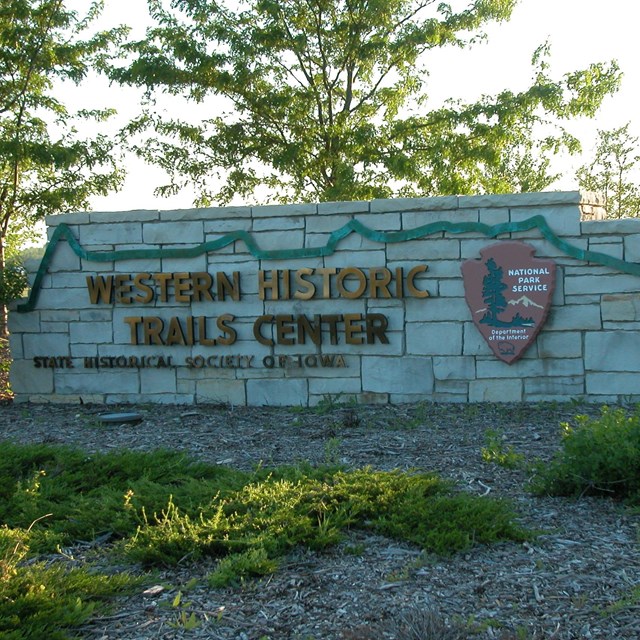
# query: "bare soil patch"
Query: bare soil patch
{"points": [[580, 578]]}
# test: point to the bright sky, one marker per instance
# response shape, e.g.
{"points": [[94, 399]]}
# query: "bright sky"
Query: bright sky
{"points": [[580, 32]]}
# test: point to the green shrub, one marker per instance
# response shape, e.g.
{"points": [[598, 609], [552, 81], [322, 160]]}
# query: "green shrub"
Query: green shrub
{"points": [[236, 567], [101, 493], [39, 601], [277, 514], [498, 453], [600, 456]]}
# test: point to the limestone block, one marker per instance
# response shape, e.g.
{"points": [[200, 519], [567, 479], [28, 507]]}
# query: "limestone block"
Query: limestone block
{"points": [[278, 240], [497, 390], [552, 387], [330, 208], [283, 392], [157, 380], [181, 265], [574, 317], [15, 346], [424, 251], [139, 215], [437, 309], [26, 379], [397, 375], [381, 221], [529, 368], [362, 258], [232, 392], [454, 368], [145, 265], [110, 234], [435, 339], [443, 269], [620, 283], [563, 220], [96, 315], [24, 322], [612, 249], [357, 242], [614, 384], [327, 223], [492, 217], [334, 386], [148, 398], [621, 307], [223, 227], [415, 204], [278, 224], [187, 232], [284, 210], [64, 259], [91, 332], [450, 289], [208, 213], [612, 351], [75, 298], [632, 248], [54, 327], [97, 381], [415, 219], [67, 218], [45, 344], [560, 344], [81, 351], [611, 227]]}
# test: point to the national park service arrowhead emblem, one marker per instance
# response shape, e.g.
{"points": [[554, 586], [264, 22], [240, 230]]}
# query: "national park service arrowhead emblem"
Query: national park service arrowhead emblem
{"points": [[509, 292]]}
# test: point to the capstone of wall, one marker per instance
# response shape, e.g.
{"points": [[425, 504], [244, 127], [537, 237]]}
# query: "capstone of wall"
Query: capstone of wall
{"points": [[103, 324]]}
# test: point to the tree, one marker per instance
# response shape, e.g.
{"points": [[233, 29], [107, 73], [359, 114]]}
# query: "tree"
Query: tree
{"points": [[326, 100], [45, 166], [492, 288], [612, 170]]}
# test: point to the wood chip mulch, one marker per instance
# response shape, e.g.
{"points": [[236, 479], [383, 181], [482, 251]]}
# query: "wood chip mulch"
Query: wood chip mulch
{"points": [[580, 578]]}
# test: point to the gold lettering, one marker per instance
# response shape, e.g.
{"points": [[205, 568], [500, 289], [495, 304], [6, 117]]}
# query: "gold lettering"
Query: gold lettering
{"points": [[352, 328], [100, 289], [306, 289], [202, 283], [379, 283], [133, 323], [152, 327], [146, 295], [376, 326], [257, 326], [264, 284], [181, 287], [227, 288], [360, 277], [413, 290], [284, 328], [230, 332], [326, 273]]}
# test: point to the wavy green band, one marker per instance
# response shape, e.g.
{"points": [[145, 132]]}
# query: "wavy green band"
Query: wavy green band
{"points": [[63, 232]]}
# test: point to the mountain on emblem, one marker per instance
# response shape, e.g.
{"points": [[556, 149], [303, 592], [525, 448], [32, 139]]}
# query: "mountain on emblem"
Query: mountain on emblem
{"points": [[509, 292]]}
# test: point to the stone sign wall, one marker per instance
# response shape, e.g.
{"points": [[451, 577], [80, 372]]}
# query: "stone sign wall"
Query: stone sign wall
{"points": [[287, 305]]}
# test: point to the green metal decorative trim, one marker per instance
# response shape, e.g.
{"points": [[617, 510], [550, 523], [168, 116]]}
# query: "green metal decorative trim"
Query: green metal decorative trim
{"points": [[63, 232]]}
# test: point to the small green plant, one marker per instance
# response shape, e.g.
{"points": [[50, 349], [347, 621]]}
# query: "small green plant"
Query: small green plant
{"points": [[599, 456], [185, 619], [495, 451], [328, 404], [233, 569], [46, 601], [332, 451]]}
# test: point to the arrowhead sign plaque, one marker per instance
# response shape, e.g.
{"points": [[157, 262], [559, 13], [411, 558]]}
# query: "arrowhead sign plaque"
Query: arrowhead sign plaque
{"points": [[509, 292]]}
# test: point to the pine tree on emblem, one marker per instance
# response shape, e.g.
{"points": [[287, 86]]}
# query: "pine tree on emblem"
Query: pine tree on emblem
{"points": [[492, 288]]}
